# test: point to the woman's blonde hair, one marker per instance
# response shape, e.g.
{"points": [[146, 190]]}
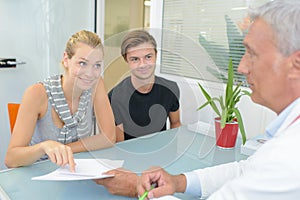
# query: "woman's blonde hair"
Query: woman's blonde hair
{"points": [[85, 37]]}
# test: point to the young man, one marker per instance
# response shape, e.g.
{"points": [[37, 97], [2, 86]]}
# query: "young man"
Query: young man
{"points": [[272, 67], [142, 102]]}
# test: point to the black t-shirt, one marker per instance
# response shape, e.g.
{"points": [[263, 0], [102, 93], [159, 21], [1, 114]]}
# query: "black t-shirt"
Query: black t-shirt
{"points": [[142, 114]]}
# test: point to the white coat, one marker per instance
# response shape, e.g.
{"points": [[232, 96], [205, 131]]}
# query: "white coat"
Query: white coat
{"points": [[272, 173]]}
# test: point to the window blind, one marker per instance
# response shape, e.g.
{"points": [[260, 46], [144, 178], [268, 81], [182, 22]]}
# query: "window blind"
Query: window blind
{"points": [[200, 36]]}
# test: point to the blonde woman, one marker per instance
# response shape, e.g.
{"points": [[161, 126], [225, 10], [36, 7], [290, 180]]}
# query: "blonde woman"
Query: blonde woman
{"points": [[55, 118]]}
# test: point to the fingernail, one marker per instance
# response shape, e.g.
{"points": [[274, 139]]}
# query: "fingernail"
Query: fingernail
{"points": [[150, 195]]}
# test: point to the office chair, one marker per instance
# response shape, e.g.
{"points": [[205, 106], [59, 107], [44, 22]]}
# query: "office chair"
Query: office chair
{"points": [[13, 109]]}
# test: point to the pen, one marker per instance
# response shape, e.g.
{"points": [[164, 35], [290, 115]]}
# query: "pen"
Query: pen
{"points": [[153, 185]]}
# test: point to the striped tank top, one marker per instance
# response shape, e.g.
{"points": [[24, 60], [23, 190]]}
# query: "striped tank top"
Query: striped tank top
{"points": [[76, 126]]}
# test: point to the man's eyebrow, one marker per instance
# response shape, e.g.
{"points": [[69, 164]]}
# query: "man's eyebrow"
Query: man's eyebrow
{"points": [[247, 47], [130, 57], [250, 49]]}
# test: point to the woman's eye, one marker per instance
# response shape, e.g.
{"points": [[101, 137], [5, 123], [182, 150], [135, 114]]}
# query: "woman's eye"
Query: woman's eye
{"points": [[97, 66], [148, 57], [82, 64]]}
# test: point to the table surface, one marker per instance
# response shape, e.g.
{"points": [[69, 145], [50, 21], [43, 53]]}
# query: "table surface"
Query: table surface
{"points": [[177, 150]]}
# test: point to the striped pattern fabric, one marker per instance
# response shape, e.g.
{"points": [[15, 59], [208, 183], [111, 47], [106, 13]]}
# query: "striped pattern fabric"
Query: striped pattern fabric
{"points": [[74, 125]]}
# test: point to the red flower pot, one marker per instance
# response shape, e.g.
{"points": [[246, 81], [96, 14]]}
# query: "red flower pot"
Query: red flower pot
{"points": [[226, 137]]}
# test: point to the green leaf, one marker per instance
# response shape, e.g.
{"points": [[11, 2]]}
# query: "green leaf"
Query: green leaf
{"points": [[223, 118], [203, 105], [206, 95], [246, 93], [241, 124], [229, 85], [214, 106], [209, 101]]}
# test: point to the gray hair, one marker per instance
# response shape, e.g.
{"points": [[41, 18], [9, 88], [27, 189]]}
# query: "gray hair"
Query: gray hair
{"points": [[284, 18], [135, 38]]}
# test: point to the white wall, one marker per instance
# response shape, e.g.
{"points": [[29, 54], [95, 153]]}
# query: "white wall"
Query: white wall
{"points": [[35, 32]]}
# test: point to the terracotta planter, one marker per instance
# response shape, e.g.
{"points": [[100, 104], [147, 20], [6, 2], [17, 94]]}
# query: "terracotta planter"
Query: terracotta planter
{"points": [[226, 137]]}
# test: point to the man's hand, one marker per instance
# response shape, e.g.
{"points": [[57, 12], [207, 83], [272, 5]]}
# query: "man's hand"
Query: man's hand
{"points": [[123, 183], [167, 184]]}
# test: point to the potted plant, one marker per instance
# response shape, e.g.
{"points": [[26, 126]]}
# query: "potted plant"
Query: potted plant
{"points": [[227, 113]]}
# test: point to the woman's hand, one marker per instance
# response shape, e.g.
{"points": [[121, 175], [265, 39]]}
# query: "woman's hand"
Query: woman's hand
{"points": [[59, 154]]}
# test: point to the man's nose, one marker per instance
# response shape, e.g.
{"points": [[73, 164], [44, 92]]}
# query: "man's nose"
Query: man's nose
{"points": [[142, 62], [242, 68]]}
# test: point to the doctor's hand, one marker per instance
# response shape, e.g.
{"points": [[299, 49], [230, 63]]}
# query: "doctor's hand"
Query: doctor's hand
{"points": [[167, 184], [59, 154], [123, 183]]}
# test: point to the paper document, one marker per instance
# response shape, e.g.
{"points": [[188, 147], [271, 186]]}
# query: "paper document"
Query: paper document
{"points": [[85, 169]]}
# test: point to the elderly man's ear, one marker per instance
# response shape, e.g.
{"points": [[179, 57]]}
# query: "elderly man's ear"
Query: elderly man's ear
{"points": [[294, 72]]}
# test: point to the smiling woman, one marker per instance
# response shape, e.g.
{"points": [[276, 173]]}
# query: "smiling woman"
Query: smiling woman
{"points": [[85, 66], [55, 118]]}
